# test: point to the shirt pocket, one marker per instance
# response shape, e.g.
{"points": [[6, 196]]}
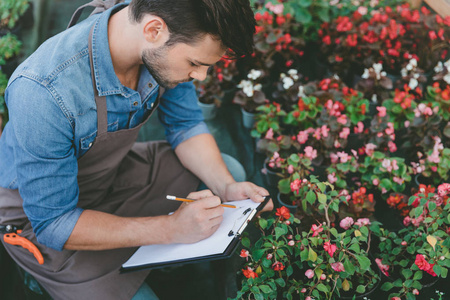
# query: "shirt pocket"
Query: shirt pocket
{"points": [[87, 142]]}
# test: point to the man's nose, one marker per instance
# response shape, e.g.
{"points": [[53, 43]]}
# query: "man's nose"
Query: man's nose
{"points": [[199, 74]]}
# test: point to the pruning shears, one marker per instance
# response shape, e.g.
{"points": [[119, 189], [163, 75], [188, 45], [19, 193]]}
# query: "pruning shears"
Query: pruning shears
{"points": [[12, 237]]}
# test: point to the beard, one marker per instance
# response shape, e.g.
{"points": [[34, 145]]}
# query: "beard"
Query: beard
{"points": [[156, 63]]}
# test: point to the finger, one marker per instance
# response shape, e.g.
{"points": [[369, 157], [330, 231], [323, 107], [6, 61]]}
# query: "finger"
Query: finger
{"points": [[215, 212], [200, 194], [209, 202], [259, 194]]}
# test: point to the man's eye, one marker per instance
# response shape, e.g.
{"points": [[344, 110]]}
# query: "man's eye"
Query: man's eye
{"points": [[192, 64]]}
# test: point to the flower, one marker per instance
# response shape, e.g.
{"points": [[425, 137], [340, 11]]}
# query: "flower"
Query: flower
{"points": [[278, 266], [384, 268], [330, 248], [346, 223], [309, 273], [283, 212], [338, 267], [244, 253], [362, 222], [249, 273], [316, 229]]}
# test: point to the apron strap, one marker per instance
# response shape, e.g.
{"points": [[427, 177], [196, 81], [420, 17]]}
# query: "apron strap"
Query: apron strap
{"points": [[100, 6], [100, 101]]}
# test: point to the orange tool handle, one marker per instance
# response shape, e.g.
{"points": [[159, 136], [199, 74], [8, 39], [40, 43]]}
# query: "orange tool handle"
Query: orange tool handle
{"points": [[17, 240]]}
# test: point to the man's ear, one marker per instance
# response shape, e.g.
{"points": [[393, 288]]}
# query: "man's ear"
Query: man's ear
{"points": [[155, 30]]}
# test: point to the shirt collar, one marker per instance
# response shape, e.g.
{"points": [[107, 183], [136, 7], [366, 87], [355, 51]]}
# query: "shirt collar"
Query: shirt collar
{"points": [[107, 81]]}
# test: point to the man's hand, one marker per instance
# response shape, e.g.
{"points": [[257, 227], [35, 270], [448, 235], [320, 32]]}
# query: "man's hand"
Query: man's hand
{"points": [[247, 190], [195, 221]]}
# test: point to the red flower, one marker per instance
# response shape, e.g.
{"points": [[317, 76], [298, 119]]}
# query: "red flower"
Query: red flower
{"points": [[283, 212], [249, 273], [244, 253], [277, 266], [422, 263], [330, 248], [316, 229]]}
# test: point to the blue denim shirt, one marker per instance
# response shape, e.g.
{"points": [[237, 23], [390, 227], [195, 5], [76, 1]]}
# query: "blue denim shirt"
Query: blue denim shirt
{"points": [[53, 121]]}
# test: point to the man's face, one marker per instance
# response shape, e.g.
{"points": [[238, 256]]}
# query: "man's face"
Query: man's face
{"points": [[181, 62]]}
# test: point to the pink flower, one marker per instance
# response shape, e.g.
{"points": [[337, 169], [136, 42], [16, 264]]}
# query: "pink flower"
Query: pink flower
{"points": [[332, 178], [381, 111], [346, 223], [415, 292], [343, 156], [269, 256], [316, 229], [394, 164], [359, 128], [310, 152], [407, 123], [375, 182], [308, 298], [324, 130], [383, 268], [390, 128], [407, 221], [291, 243], [362, 10], [309, 273], [370, 149], [269, 134], [443, 189], [303, 290], [334, 158], [330, 248], [404, 243], [398, 180], [338, 267], [323, 277], [392, 146], [302, 137], [290, 169], [342, 119], [295, 185], [344, 133], [362, 222]]}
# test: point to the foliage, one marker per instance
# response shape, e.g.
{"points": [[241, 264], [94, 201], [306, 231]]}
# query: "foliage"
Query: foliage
{"points": [[10, 46], [11, 11], [249, 95]]}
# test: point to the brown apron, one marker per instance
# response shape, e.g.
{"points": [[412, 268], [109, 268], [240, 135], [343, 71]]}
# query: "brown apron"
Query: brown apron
{"points": [[116, 176]]}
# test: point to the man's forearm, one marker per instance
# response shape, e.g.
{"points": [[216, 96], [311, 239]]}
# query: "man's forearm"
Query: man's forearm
{"points": [[202, 157], [96, 230]]}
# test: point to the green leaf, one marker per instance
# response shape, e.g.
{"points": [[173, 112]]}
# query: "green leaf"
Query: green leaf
{"points": [[349, 267], [321, 287], [322, 198], [263, 223], [407, 273], [279, 232], [265, 289], [280, 282], [311, 197], [305, 3], [289, 270], [444, 272], [417, 275], [302, 15], [361, 289], [312, 255], [245, 242], [364, 262], [387, 286]]}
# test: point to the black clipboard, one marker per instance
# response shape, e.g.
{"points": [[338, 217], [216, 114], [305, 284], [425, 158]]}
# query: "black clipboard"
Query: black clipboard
{"points": [[232, 246]]}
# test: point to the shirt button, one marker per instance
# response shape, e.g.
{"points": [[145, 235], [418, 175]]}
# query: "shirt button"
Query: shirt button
{"points": [[150, 85], [90, 145], [135, 103], [151, 105]]}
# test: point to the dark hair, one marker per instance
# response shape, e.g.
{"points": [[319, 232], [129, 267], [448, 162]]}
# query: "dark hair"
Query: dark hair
{"points": [[230, 21]]}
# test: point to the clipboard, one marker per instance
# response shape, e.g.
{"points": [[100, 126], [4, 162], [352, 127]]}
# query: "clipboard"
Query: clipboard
{"points": [[219, 245]]}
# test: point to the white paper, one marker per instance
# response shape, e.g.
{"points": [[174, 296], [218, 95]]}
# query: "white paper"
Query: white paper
{"points": [[215, 244]]}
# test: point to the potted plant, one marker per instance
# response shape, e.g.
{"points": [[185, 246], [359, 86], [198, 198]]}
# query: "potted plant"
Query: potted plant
{"points": [[375, 84], [419, 253], [249, 96], [209, 94], [293, 260], [10, 13], [3, 110]]}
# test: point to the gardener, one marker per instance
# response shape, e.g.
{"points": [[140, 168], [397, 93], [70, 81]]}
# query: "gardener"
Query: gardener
{"points": [[71, 174]]}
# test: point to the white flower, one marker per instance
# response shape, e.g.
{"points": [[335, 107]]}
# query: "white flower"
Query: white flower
{"points": [[374, 98], [254, 74], [301, 92], [378, 67], [413, 83], [282, 75], [257, 87], [439, 67], [413, 62], [247, 87], [383, 74], [287, 82], [365, 75], [447, 64], [292, 72], [403, 72], [447, 78]]}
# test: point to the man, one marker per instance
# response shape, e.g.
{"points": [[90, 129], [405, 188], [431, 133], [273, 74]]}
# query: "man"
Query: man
{"points": [[70, 173]]}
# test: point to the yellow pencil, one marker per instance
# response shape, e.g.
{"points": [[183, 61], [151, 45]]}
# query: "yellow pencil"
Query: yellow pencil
{"points": [[168, 197]]}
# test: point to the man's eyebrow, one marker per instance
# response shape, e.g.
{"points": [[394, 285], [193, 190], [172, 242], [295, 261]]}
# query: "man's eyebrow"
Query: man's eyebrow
{"points": [[201, 63]]}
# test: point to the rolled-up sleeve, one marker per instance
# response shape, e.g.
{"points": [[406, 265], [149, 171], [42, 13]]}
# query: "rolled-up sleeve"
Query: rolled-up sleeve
{"points": [[180, 114], [46, 165]]}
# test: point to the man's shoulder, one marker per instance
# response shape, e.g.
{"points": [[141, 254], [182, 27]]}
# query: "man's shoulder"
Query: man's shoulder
{"points": [[64, 52]]}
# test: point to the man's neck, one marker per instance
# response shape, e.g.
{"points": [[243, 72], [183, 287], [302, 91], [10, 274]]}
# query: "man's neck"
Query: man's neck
{"points": [[124, 49]]}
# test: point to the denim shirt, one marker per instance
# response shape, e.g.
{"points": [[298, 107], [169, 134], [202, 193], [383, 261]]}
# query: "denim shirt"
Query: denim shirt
{"points": [[53, 122]]}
